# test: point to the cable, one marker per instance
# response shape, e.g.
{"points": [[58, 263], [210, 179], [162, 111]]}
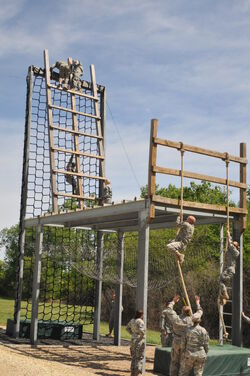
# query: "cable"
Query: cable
{"points": [[124, 148]]}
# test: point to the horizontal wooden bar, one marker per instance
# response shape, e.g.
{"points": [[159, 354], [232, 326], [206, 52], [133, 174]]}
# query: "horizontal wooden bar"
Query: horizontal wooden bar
{"points": [[74, 111], [76, 132], [195, 149], [73, 92], [75, 196], [197, 206], [78, 153], [79, 174], [193, 175]]}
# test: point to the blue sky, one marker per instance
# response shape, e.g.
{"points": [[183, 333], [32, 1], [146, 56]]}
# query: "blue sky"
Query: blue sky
{"points": [[186, 63]]}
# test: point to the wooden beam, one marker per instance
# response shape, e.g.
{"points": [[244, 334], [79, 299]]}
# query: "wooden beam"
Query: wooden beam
{"points": [[74, 92], [75, 196], [73, 111], [193, 175], [78, 153], [65, 172], [151, 165], [75, 132], [197, 206], [198, 150], [243, 180]]}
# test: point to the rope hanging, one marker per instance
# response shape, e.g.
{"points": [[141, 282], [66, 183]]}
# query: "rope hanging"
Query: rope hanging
{"points": [[227, 180]]}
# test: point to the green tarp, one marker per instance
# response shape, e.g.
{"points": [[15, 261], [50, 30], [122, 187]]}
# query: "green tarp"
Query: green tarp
{"points": [[224, 360]]}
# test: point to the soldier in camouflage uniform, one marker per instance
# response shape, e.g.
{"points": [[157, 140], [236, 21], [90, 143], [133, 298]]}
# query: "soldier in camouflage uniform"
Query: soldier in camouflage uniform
{"points": [[196, 343], [77, 73], [183, 237], [136, 328], [230, 265], [166, 329], [64, 72], [180, 324], [247, 319], [71, 167], [107, 192]]}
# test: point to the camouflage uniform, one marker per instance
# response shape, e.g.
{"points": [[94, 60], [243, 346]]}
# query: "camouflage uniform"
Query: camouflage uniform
{"points": [[166, 330], [136, 328], [180, 324], [196, 342], [64, 72], [70, 178], [183, 237], [77, 73], [230, 263], [107, 194]]}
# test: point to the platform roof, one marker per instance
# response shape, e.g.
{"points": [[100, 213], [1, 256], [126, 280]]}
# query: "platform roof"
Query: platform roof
{"points": [[122, 216]]}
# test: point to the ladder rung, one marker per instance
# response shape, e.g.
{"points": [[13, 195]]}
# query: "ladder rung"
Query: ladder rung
{"points": [[228, 327], [227, 313], [76, 132], [74, 111], [74, 92], [75, 196], [78, 153], [79, 174]]}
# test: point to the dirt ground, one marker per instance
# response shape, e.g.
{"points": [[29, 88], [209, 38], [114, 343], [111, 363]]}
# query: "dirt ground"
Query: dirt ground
{"points": [[79, 357]]}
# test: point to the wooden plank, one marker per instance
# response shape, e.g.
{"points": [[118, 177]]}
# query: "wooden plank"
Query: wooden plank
{"points": [[98, 118], [76, 143], [197, 206], [198, 150], [75, 132], [243, 179], [78, 152], [74, 92], [74, 112], [151, 165], [50, 131], [75, 196], [80, 174], [193, 175]]}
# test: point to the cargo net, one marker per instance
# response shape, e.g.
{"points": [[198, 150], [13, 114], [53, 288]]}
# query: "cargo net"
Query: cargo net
{"points": [[39, 192], [70, 269]]}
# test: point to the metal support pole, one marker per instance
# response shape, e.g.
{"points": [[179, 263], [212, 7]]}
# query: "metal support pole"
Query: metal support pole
{"points": [[21, 240], [237, 293], [142, 266], [36, 285], [221, 271], [97, 316], [118, 297]]}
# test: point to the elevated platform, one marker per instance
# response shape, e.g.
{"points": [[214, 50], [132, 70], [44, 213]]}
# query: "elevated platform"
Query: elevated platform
{"points": [[124, 216], [224, 360]]}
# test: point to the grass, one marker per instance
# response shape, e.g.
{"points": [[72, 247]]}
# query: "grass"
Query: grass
{"points": [[7, 309]]}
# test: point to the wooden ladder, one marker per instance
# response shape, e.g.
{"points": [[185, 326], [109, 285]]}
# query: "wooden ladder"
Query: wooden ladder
{"points": [[76, 133]]}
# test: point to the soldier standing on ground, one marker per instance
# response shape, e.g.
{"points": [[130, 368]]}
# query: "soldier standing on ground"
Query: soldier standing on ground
{"points": [[166, 329], [180, 324], [230, 265], [111, 316], [183, 237], [196, 344], [136, 329]]}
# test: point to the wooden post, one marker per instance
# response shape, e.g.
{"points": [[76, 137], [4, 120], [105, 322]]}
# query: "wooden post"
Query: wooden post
{"points": [[243, 179], [220, 306], [151, 165], [76, 143]]}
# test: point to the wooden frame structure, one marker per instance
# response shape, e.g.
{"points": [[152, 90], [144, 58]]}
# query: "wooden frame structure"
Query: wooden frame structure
{"points": [[195, 206]]}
